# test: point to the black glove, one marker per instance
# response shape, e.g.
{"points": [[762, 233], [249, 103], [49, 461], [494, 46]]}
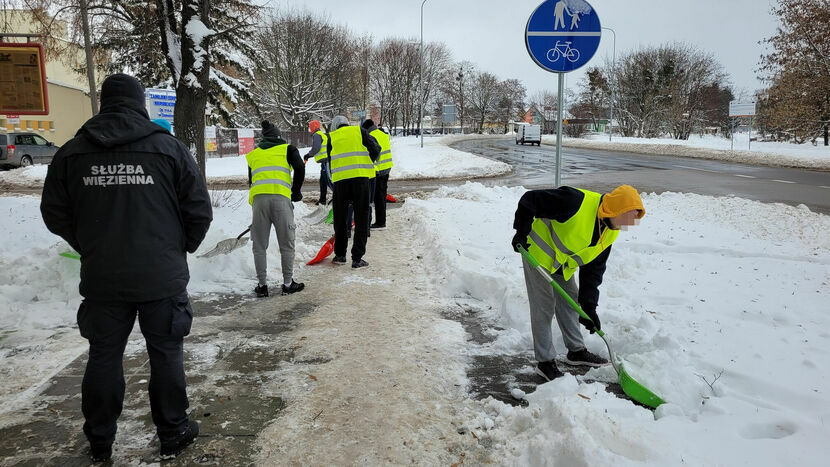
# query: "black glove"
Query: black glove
{"points": [[519, 239], [296, 197], [307, 157], [588, 324]]}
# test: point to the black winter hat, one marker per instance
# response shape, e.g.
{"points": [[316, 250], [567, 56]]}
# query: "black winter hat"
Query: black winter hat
{"points": [[368, 123], [268, 129], [123, 86]]}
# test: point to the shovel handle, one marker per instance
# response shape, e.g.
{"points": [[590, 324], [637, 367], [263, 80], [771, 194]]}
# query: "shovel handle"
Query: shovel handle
{"points": [[243, 233], [530, 259]]}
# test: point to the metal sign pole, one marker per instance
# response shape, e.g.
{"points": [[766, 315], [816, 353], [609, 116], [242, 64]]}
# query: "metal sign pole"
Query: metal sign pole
{"points": [[559, 129], [750, 134]]}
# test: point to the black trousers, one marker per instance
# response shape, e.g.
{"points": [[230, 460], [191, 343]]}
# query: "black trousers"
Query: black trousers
{"points": [[356, 192], [381, 188], [107, 327], [324, 181]]}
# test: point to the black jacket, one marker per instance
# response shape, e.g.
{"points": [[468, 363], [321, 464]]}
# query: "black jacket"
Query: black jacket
{"points": [[560, 205], [294, 160], [129, 197]]}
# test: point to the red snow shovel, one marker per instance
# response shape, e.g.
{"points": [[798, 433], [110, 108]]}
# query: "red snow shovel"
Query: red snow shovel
{"points": [[629, 385], [390, 198], [328, 248]]}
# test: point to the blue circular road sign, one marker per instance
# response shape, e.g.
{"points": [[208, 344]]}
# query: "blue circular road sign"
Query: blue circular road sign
{"points": [[563, 35]]}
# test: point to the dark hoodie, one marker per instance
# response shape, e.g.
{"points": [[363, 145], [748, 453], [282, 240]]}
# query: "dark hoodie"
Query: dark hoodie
{"points": [[129, 198]]}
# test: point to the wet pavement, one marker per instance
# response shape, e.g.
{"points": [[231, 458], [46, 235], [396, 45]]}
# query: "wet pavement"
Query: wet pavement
{"points": [[227, 358]]}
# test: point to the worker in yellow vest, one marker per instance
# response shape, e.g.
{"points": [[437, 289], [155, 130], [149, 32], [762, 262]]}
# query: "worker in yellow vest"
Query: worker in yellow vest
{"points": [[382, 167], [566, 229], [271, 195], [319, 144], [352, 153]]}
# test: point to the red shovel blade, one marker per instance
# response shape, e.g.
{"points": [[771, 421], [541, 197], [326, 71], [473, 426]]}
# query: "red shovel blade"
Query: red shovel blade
{"points": [[328, 248], [391, 199]]}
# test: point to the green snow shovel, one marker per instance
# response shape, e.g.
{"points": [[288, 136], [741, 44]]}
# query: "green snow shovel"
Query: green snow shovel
{"points": [[630, 386]]}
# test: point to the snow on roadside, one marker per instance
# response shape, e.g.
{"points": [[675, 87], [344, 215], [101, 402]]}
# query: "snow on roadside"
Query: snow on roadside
{"points": [[777, 154], [434, 161], [716, 304]]}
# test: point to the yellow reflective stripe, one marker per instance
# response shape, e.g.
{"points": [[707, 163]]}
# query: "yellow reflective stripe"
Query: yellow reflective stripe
{"points": [[271, 181], [270, 168], [350, 154], [353, 166], [561, 246]]}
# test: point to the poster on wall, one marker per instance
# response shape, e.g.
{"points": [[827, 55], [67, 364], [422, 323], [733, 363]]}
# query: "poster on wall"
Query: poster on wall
{"points": [[210, 139], [246, 141], [22, 79]]}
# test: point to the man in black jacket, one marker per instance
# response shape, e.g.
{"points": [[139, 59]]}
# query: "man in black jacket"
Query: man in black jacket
{"points": [[130, 199], [569, 230], [352, 152]]}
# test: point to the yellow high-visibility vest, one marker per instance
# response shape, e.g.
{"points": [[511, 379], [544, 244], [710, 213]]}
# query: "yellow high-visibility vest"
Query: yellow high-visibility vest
{"points": [[324, 147], [270, 172], [349, 158], [568, 244], [385, 160]]}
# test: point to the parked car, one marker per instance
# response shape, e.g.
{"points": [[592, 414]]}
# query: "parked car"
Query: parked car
{"points": [[25, 149], [527, 133]]}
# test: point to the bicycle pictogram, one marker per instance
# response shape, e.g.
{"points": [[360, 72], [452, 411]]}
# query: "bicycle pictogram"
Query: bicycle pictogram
{"points": [[563, 49]]}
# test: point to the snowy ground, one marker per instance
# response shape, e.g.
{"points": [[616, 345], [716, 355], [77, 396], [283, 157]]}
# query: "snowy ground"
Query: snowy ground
{"points": [[434, 160], [712, 147], [719, 305]]}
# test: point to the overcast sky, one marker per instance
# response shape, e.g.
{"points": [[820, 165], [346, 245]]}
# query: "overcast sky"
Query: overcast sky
{"points": [[490, 33]]}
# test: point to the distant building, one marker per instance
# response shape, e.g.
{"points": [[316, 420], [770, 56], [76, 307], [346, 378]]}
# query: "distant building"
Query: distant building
{"points": [[68, 91]]}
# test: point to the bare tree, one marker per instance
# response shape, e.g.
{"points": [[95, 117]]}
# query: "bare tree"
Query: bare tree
{"points": [[484, 95], [798, 69], [301, 60]]}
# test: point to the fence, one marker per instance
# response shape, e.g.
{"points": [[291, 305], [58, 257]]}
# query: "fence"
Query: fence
{"points": [[233, 142]]}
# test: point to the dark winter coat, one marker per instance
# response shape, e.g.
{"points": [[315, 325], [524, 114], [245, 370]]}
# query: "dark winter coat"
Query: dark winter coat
{"points": [[131, 200], [561, 204]]}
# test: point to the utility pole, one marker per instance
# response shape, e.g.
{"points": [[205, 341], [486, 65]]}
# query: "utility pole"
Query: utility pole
{"points": [[421, 81], [90, 66], [613, 83]]}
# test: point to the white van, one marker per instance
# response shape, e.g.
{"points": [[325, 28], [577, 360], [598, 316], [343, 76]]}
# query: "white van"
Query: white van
{"points": [[527, 133]]}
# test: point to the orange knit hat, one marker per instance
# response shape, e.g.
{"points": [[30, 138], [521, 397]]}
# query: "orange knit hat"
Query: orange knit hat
{"points": [[313, 126], [623, 199]]}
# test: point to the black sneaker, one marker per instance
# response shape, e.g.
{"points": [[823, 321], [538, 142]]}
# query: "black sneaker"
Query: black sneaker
{"points": [[339, 260], [173, 447], [548, 370], [100, 452], [585, 358], [359, 264], [375, 226], [294, 287], [261, 290]]}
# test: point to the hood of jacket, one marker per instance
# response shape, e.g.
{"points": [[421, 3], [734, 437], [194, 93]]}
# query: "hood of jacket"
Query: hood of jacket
{"points": [[122, 120]]}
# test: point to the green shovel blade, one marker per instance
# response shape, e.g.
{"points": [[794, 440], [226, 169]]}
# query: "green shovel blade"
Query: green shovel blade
{"points": [[637, 391], [330, 217], [71, 255]]}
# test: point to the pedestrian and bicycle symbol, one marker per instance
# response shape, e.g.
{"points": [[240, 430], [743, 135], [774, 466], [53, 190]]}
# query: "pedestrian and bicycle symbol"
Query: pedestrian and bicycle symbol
{"points": [[563, 35]]}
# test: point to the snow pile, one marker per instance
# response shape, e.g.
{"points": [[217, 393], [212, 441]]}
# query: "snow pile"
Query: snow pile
{"points": [[777, 154], [39, 295], [716, 304]]}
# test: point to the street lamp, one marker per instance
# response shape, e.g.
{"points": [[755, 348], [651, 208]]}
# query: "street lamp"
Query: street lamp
{"points": [[421, 80], [613, 84], [460, 79]]}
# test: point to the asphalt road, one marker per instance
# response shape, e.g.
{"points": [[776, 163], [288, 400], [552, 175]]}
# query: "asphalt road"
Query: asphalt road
{"points": [[534, 167]]}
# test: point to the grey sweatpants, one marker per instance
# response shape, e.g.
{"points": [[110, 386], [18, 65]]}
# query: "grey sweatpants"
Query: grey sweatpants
{"points": [[276, 210], [544, 304]]}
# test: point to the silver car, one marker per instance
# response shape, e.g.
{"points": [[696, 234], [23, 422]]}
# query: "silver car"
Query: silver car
{"points": [[25, 149]]}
